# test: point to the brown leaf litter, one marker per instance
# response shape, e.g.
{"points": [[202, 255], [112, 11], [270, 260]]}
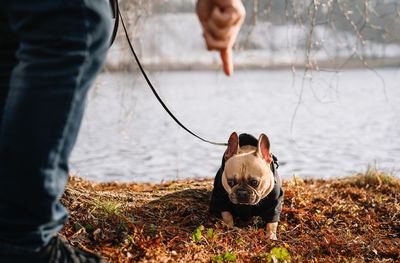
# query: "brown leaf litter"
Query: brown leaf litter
{"points": [[339, 220]]}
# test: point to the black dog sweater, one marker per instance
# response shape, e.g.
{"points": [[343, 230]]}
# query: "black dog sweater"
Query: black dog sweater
{"points": [[269, 208]]}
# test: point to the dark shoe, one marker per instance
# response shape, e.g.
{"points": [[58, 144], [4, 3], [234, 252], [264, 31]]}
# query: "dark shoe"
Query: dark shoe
{"points": [[57, 251]]}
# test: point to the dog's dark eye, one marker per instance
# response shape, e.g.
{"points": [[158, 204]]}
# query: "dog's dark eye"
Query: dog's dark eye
{"points": [[254, 183], [231, 182]]}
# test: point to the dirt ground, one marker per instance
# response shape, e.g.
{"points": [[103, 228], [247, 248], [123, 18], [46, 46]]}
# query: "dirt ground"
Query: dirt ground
{"points": [[355, 219]]}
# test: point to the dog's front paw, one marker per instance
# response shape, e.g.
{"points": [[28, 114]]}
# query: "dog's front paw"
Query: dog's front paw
{"points": [[271, 230], [227, 217], [271, 235]]}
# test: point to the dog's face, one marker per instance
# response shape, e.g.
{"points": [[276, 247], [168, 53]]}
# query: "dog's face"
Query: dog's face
{"points": [[247, 175]]}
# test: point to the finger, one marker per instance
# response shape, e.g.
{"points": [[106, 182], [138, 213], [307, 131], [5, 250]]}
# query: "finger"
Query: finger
{"points": [[205, 38], [203, 9], [220, 32], [214, 43], [226, 3], [226, 56], [225, 17]]}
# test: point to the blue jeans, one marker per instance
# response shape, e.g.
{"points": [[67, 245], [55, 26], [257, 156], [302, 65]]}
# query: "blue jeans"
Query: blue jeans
{"points": [[50, 53]]}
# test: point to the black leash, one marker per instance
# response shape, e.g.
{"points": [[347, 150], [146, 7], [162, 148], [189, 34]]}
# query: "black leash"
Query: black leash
{"points": [[117, 17]]}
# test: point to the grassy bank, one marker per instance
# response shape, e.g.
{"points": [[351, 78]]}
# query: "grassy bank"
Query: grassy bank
{"points": [[355, 219]]}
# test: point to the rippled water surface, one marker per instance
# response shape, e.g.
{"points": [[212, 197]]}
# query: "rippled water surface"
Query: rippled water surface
{"points": [[325, 125]]}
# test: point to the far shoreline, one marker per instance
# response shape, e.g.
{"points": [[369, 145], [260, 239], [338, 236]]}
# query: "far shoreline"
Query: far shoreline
{"points": [[337, 64]]}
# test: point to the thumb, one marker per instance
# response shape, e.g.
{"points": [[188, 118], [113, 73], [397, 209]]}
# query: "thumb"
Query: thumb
{"points": [[223, 3], [226, 56]]}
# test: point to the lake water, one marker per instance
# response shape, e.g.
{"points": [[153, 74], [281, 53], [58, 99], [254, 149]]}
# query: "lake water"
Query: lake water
{"points": [[324, 125]]}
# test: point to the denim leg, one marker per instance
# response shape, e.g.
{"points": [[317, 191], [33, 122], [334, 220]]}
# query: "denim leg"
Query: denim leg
{"points": [[8, 46], [61, 47]]}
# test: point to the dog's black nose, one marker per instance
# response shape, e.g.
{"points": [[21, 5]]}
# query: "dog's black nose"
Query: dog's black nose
{"points": [[242, 194]]}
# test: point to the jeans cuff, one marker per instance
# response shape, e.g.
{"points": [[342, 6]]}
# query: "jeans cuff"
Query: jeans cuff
{"points": [[11, 249]]}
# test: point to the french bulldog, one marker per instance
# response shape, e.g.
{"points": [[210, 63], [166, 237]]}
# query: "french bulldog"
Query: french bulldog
{"points": [[247, 183]]}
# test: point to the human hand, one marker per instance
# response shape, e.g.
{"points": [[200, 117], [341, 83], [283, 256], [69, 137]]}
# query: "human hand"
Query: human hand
{"points": [[221, 21]]}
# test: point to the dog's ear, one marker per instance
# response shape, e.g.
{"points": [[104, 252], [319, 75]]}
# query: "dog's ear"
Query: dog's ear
{"points": [[233, 146], [263, 148]]}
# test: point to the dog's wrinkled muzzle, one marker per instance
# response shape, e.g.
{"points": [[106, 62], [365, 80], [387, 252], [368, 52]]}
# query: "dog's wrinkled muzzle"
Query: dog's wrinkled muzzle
{"points": [[244, 196]]}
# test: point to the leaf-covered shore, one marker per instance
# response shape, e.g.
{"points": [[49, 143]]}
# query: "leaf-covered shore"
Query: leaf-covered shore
{"points": [[354, 219]]}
